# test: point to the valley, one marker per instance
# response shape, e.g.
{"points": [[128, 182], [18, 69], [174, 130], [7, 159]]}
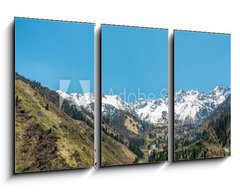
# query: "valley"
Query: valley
{"points": [[140, 128]]}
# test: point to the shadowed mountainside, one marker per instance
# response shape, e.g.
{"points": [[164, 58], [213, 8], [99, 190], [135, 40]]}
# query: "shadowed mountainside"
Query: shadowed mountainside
{"points": [[211, 139]]}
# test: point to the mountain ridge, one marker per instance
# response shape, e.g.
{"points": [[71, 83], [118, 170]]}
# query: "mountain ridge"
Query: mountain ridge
{"points": [[191, 107]]}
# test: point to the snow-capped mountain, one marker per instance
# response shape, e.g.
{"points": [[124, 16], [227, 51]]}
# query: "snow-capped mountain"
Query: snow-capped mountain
{"points": [[190, 106], [152, 111], [85, 100], [109, 101], [194, 106]]}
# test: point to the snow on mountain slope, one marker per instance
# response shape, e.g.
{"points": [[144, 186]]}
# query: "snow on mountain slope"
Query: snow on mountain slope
{"points": [[85, 100], [194, 106], [220, 93], [110, 101], [190, 106], [117, 102], [152, 111]]}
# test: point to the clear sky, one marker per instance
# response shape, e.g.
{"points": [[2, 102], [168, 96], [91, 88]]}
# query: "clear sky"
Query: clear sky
{"points": [[134, 58], [49, 51], [202, 60]]}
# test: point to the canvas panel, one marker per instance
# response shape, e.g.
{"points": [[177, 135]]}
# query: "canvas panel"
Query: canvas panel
{"points": [[202, 103], [134, 95], [54, 63]]}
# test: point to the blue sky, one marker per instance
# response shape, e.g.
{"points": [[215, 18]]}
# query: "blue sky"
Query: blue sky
{"points": [[134, 58], [49, 51], [202, 60]]}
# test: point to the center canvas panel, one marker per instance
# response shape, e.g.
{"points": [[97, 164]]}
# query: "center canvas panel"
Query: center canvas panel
{"points": [[54, 95], [202, 101], [134, 95]]}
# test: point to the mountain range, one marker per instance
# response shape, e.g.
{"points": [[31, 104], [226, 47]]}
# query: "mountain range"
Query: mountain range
{"points": [[61, 126], [191, 107]]}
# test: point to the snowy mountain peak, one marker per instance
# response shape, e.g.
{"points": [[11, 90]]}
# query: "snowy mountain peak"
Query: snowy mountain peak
{"points": [[85, 100], [180, 92], [193, 92], [193, 106], [115, 101], [220, 90]]}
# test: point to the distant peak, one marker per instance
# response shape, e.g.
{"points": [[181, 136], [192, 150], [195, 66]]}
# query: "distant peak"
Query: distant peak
{"points": [[179, 92], [192, 91], [80, 94], [61, 92], [220, 87], [112, 96], [74, 95]]}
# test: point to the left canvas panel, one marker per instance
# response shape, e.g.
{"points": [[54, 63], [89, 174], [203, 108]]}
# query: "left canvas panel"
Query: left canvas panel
{"points": [[54, 126]]}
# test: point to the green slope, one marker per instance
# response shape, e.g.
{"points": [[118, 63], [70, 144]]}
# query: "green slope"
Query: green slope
{"points": [[46, 138], [115, 153]]}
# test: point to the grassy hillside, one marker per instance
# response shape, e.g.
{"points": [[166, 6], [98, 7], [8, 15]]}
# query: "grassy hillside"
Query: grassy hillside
{"points": [[53, 96], [46, 138], [115, 153]]}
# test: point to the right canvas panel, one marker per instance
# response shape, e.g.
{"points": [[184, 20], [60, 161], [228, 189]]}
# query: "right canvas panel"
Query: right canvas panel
{"points": [[202, 97]]}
